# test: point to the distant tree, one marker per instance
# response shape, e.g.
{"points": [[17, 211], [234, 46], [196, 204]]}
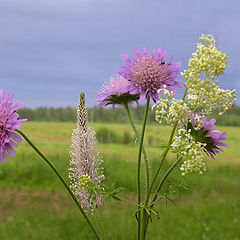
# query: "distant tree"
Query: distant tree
{"points": [[114, 115]]}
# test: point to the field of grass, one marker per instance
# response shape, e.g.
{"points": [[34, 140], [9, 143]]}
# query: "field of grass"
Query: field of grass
{"points": [[34, 205]]}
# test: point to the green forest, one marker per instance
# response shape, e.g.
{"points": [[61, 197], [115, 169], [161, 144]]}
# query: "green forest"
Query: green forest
{"points": [[113, 115]]}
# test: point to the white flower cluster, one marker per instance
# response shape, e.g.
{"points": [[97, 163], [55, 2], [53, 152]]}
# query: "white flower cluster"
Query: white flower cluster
{"points": [[206, 64], [202, 96], [207, 59], [169, 109], [191, 151], [193, 162]]}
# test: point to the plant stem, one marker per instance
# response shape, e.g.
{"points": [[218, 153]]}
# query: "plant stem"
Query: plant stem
{"points": [[143, 224], [139, 164], [125, 200], [163, 156], [61, 179], [154, 200], [164, 179], [144, 151]]}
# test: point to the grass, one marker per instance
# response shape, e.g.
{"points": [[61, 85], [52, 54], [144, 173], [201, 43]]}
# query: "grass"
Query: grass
{"points": [[34, 205]]}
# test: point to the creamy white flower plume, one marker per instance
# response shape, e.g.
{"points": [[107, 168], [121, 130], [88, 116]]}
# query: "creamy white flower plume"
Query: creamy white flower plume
{"points": [[86, 172]]}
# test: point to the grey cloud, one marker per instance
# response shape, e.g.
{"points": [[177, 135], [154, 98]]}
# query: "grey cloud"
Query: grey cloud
{"points": [[71, 46]]}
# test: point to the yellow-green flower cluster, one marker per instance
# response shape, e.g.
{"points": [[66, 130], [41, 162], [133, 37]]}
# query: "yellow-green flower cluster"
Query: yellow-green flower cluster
{"points": [[85, 182], [206, 64], [169, 109], [207, 59], [202, 96], [194, 161], [209, 96], [191, 151], [203, 93]]}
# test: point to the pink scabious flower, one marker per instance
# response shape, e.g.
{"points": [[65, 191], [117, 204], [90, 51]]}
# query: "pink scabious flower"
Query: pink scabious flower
{"points": [[115, 92], [148, 72], [207, 134], [86, 172], [8, 123]]}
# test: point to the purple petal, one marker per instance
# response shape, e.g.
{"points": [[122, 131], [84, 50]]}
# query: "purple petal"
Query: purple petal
{"points": [[14, 136], [10, 150], [12, 143], [125, 58]]}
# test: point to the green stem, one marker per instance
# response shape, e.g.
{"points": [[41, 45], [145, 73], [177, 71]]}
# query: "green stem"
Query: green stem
{"points": [[193, 111], [144, 151], [125, 200], [139, 165], [61, 179], [185, 94], [154, 201], [164, 179], [143, 224], [163, 156]]}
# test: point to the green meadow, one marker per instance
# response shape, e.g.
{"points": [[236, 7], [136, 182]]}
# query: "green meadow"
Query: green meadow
{"points": [[34, 204]]}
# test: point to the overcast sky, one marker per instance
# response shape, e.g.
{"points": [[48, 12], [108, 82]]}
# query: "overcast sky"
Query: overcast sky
{"points": [[51, 50]]}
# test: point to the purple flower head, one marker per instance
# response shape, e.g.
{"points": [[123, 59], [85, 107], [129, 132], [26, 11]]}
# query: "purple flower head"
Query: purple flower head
{"points": [[8, 123], [115, 92], [147, 73], [207, 134]]}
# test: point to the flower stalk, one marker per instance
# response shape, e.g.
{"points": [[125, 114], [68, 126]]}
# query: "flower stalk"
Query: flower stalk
{"points": [[147, 168], [139, 165], [86, 170], [163, 157], [62, 181]]}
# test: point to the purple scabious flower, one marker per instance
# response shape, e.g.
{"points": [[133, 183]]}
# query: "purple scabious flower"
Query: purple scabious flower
{"points": [[86, 172], [115, 92], [206, 133], [8, 123], [216, 137], [148, 72]]}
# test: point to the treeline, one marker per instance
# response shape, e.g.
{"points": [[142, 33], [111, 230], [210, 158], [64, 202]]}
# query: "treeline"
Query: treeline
{"points": [[96, 114], [113, 115], [229, 118]]}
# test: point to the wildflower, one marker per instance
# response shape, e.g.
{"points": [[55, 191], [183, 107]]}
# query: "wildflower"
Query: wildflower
{"points": [[207, 59], [194, 160], [191, 151], [205, 132], [207, 63], [193, 139], [115, 92], [148, 72], [8, 123], [86, 172], [169, 109]]}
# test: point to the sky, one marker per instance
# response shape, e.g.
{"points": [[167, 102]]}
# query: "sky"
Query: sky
{"points": [[50, 51]]}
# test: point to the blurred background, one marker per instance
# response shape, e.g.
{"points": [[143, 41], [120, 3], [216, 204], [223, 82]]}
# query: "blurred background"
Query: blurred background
{"points": [[50, 51]]}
